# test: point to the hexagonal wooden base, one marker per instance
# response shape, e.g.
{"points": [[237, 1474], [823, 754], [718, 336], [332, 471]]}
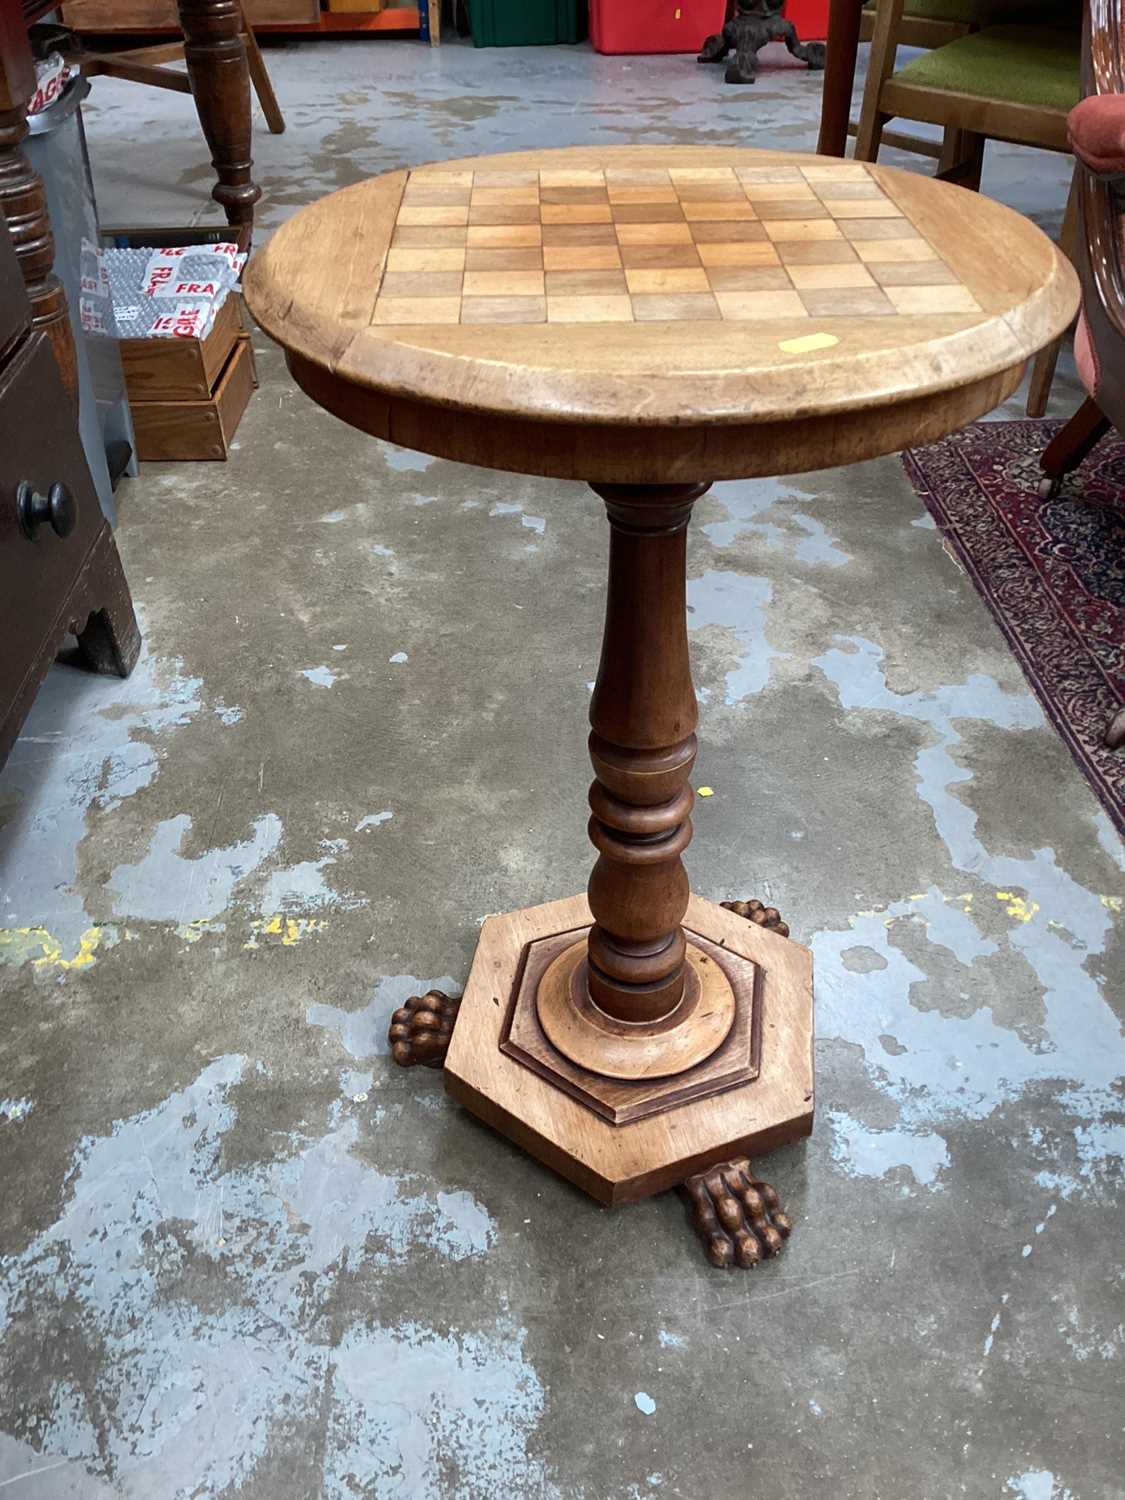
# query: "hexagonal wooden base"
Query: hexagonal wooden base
{"points": [[621, 1162], [734, 1061]]}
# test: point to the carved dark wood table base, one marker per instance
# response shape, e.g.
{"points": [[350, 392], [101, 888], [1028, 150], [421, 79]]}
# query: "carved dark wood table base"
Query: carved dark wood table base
{"points": [[756, 24]]}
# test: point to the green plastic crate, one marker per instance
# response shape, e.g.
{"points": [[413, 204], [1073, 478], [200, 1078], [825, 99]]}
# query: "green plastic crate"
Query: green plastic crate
{"points": [[527, 23]]}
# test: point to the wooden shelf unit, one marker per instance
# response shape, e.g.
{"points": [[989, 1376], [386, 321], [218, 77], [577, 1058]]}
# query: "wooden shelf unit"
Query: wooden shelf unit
{"points": [[299, 17]]}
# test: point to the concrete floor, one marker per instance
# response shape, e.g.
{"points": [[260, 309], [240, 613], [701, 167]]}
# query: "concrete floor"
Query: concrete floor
{"points": [[243, 1254]]}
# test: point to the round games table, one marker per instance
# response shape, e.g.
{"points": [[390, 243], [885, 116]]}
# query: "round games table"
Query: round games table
{"points": [[650, 319]]}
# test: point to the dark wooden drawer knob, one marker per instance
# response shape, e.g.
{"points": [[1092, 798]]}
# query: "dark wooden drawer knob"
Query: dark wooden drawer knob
{"points": [[57, 509]]}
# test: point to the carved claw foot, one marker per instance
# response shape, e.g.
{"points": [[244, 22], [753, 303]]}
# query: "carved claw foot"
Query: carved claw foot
{"points": [[737, 1217], [421, 1029], [761, 916]]}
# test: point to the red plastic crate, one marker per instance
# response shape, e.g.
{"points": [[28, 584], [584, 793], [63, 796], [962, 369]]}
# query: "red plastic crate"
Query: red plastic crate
{"points": [[810, 18], [654, 25]]}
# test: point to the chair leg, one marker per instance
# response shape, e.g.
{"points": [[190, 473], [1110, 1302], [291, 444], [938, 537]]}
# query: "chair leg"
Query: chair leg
{"points": [[263, 84], [962, 158], [1043, 370], [1068, 448], [220, 84], [880, 66], [1042, 377], [839, 76]]}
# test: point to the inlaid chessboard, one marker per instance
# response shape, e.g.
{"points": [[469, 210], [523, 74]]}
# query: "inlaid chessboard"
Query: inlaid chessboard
{"points": [[658, 244]]}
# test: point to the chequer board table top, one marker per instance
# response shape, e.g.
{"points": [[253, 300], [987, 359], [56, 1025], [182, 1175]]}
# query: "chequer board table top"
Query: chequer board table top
{"points": [[683, 294]]}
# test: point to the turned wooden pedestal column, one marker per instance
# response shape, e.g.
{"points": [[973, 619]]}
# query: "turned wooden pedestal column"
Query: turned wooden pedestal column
{"points": [[631, 999], [648, 320], [643, 747]]}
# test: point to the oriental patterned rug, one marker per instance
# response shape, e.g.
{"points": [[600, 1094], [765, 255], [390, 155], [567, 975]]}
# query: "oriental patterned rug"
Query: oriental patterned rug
{"points": [[1051, 571]]}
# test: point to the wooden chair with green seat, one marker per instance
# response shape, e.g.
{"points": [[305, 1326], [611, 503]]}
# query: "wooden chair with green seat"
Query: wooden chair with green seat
{"points": [[930, 23], [145, 65], [926, 24], [1014, 82]]}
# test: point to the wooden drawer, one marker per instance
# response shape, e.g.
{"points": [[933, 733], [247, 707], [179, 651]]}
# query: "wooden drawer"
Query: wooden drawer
{"points": [[41, 445], [160, 15]]}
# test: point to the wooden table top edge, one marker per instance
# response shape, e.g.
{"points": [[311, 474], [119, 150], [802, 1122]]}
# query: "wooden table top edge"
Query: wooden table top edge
{"points": [[922, 357]]}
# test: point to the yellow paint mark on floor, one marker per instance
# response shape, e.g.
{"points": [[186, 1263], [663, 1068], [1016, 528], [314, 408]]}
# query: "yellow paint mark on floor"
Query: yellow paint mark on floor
{"points": [[20, 945], [1017, 907], [1111, 903], [288, 931], [705, 791], [192, 931]]}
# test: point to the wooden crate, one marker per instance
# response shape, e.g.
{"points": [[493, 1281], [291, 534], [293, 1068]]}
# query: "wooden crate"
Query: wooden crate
{"points": [[181, 369], [198, 429], [187, 395]]}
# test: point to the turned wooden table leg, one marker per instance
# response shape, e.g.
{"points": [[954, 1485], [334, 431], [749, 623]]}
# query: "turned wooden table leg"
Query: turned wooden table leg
{"points": [[215, 52], [643, 745]]}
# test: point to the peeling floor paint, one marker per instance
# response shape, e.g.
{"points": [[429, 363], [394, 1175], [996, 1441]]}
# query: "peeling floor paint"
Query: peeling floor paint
{"points": [[165, 885], [286, 931], [404, 460], [44, 950], [967, 1066], [374, 820], [748, 501], [1038, 1484], [152, 1218], [738, 604], [304, 887], [93, 747], [874, 1153], [363, 1033], [509, 508]]}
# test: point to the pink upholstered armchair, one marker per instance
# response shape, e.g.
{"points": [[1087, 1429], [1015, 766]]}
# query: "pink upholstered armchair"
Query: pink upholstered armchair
{"points": [[1097, 135]]}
